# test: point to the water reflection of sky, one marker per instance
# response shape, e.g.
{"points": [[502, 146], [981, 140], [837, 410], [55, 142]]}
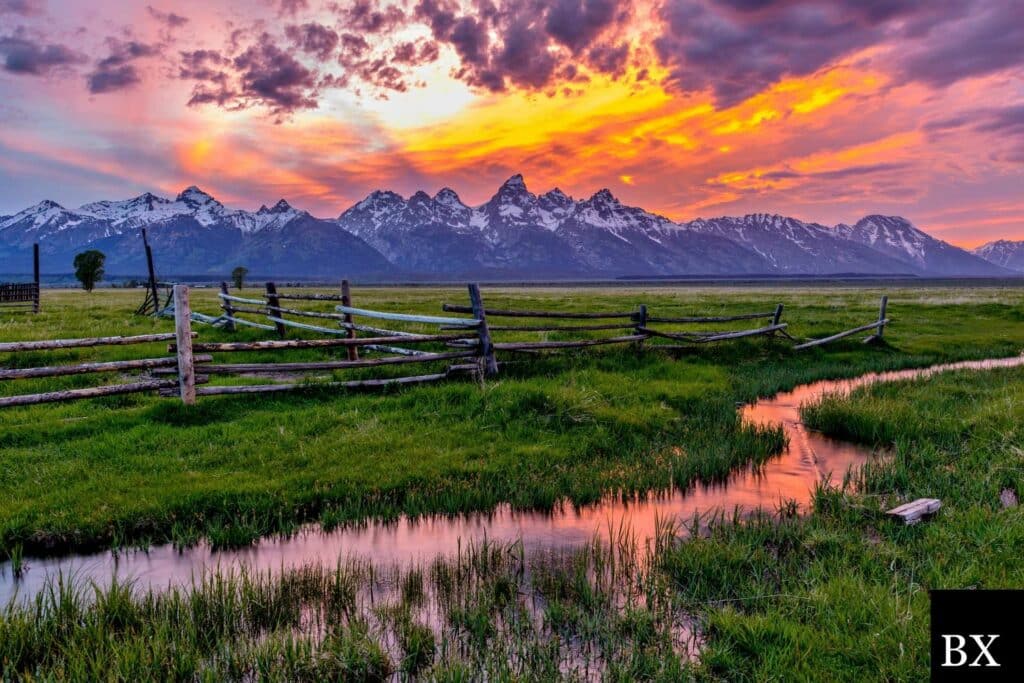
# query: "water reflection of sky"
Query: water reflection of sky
{"points": [[791, 477]]}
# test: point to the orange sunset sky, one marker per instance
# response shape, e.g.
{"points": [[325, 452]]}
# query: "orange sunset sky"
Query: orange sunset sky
{"points": [[825, 111]]}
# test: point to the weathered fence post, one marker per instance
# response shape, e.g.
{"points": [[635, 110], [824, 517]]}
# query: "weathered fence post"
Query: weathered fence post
{"points": [[641, 323], [35, 276], [776, 318], [152, 274], [486, 347], [274, 303], [882, 305], [225, 304], [346, 300], [183, 342]]}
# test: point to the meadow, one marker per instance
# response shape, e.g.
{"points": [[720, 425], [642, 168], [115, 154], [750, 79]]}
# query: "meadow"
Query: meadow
{"points": [[141, 469], [841, 590]]}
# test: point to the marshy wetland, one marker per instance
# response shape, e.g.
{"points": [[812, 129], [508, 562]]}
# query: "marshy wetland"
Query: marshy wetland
{"points": [[559, 439]]}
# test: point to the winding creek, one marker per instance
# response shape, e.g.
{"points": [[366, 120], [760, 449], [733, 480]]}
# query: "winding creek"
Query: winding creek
{"points": [[809, 458]]}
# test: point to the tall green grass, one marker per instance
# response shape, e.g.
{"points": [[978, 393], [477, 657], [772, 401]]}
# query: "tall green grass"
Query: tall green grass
{"points": [[486, 613], [140, 469]]}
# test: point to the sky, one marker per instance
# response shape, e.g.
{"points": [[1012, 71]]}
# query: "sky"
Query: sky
{"points": [[822, 110]]}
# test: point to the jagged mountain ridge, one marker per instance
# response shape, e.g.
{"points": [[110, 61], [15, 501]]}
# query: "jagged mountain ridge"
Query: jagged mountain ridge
{"points": [[1005, 253], [899, 238], [193, 234], [514, 234]]}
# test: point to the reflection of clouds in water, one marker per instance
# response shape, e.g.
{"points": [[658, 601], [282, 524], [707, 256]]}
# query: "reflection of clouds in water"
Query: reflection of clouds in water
{"points": [[788, 477]]}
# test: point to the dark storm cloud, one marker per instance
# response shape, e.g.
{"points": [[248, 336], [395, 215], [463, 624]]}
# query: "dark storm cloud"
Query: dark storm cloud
{"points": [[353, 46], [415, 53], [737, 48], [368, 16], [576, 23], [202, 65], [1005, 125], [263, 74], [313, 38], [208, 68], [270, 76], [169, 19], [23, 55], [610, 59], [989, 40], [1008, 120], [526, 43], [117, 71]]}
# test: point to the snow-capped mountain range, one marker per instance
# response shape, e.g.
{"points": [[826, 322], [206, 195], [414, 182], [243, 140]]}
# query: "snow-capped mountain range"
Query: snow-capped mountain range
{"points": [[1005, 253], [514, 234]]}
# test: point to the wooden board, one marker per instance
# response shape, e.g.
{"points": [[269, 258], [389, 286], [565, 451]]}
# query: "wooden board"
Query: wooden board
{"points": [[914, 511]]}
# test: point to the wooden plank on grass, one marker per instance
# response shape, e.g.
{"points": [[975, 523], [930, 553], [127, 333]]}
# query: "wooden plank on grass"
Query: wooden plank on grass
{"points": [[840, 335], [560, 328], [273, 368], [530, 346], [500, 313], [92, 392], [914, 511], [698, 338], [212, 347], [86, 368], [50, 344], [240, 300], [409, 317], [710, 318], [248, 323]]}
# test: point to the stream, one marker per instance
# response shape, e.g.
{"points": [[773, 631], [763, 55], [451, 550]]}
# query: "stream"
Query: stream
{"points": [[792, 475]]}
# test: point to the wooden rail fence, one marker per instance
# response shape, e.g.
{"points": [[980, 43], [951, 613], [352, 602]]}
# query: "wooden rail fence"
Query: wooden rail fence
{"points": [[129, 386], [22, 295], [878, 326], [457, 344], [471, 338]]}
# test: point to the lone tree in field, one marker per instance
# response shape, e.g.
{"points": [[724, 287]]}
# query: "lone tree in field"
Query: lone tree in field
{"points": [[89, 268], [238, 275]]}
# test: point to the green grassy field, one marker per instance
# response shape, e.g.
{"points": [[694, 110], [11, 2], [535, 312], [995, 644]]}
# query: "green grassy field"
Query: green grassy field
{"points": [[144, 469], [839, 594]]}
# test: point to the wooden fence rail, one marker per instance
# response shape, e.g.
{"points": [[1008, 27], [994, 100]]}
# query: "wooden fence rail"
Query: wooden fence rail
{"points": [[101, 367], [187, 373], [499, 313], [471, 333], [878, 326]]}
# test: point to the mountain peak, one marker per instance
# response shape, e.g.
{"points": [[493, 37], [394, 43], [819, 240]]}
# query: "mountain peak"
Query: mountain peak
{"points": [[193, 195], [281, 206], [604, 196], [448, 197], [516, 182], [380, 197], [556, 198]]}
